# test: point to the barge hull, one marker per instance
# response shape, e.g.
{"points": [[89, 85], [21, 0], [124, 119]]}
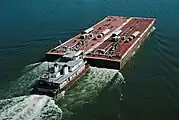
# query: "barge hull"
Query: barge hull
{"points": [[102, 63], [119, 64]]}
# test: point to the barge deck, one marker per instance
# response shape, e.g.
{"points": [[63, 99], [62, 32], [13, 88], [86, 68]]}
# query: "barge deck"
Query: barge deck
{"points": [[109, 43]]}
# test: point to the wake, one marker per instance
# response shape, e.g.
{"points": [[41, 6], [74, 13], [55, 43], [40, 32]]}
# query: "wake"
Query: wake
{"points": [[35, 107], [88, 88], [32, 107]]}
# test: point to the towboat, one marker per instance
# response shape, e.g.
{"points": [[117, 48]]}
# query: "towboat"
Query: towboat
{"points": [[62, 73]]}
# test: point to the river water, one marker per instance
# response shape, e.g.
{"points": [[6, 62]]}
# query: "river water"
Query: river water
{"points": [[28, 28]]}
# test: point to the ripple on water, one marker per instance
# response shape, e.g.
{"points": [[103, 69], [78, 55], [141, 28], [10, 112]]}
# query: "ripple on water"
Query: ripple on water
{"points": [[168, 54]]}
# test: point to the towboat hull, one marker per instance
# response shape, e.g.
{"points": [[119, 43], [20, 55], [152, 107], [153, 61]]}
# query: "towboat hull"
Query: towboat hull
{"points": [[52, 90]]}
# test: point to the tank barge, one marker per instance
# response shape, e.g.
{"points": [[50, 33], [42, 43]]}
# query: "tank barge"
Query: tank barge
{"points": [[109, 43]]}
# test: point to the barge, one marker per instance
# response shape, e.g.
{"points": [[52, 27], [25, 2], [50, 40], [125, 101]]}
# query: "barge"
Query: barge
{"points": [[110, 43]]}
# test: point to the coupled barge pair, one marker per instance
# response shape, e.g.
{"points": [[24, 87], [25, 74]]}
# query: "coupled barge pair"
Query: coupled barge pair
{"points": [[109, 43]]}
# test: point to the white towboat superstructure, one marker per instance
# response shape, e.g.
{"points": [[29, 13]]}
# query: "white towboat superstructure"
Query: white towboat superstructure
{"points": [[62, 72]]}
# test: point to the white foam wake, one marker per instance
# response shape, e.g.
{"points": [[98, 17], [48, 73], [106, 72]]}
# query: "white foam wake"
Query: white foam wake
{"points": [[32, 107], [42, 107], [88, 87], [30, 74]]}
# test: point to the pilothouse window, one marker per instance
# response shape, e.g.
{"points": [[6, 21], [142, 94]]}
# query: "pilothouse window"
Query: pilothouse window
{"points": [[65, 59]]}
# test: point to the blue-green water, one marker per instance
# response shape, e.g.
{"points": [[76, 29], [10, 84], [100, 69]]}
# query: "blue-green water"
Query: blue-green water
{"points": [[28, 28]]}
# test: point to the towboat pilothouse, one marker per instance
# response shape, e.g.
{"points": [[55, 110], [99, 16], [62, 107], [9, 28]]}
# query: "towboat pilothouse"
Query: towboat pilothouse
{"points": [[62, 73]]}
